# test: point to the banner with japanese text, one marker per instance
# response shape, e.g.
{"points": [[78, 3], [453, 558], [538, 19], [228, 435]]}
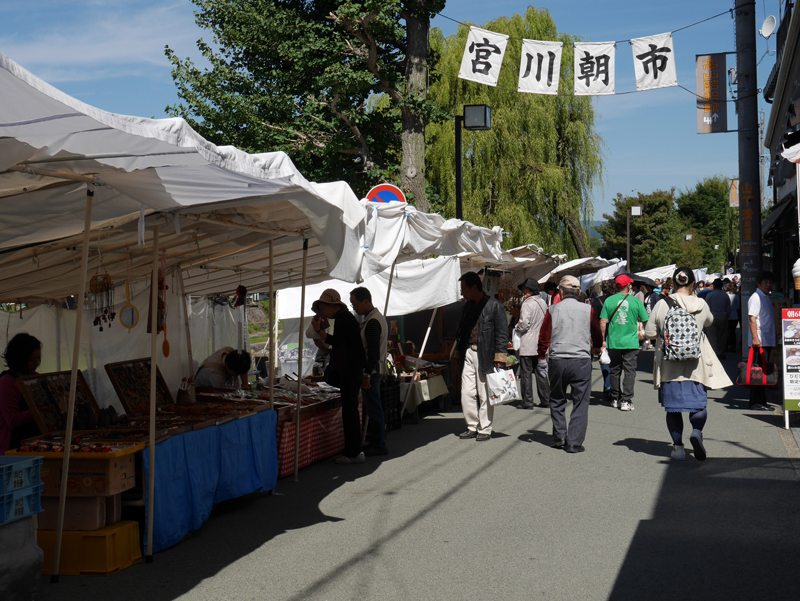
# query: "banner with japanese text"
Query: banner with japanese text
{"points": [[790, 323], [712, 107], [540, 67], [483, 56], [654, 62], [594, 68]]}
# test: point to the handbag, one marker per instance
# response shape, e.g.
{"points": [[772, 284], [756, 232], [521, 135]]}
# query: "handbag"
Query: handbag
{"points": [[502, 384], [763, 374]]}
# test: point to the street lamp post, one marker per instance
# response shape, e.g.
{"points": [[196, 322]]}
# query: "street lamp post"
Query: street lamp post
{"points": [[636, 212], [477, 117]]}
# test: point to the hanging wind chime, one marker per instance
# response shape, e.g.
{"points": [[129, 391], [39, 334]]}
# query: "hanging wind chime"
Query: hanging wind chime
{"points": [[102, 289]]}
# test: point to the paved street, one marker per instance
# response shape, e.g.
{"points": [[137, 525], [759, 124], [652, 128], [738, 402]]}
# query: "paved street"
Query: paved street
{"points": [[511, 518]]}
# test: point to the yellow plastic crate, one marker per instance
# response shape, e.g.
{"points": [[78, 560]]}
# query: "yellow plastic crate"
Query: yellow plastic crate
{"points": [[99, 553]]}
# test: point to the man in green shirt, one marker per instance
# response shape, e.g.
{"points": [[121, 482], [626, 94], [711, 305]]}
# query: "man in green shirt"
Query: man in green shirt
{"points": [[619, 324]]}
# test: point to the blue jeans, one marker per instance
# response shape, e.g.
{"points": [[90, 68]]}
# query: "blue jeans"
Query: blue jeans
{"points": [[606, 371], [372, 404]]}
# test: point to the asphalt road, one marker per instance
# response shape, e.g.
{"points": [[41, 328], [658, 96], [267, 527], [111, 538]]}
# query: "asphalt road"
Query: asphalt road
{"points": [[442, 518]]}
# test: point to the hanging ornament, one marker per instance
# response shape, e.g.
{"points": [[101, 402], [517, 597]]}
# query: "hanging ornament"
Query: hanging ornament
{"points": [[102, 290]]}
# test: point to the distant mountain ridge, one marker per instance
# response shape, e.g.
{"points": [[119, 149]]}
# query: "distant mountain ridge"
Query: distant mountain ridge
{"points": [[593, 233]]}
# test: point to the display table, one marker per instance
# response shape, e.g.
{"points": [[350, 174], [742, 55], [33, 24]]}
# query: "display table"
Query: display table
{"points": [[421, 391], [196, 470]]}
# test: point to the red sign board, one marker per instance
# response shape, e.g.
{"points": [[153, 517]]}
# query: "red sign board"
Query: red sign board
{"points": [[384, 193]]}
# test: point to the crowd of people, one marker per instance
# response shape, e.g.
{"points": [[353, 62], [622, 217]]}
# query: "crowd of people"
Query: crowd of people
{"points": [[688, 326]]}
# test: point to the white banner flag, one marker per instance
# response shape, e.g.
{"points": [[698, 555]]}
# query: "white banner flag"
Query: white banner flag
{"points": [[594, 68], [654, 62], [483, 56], [539, 67]]}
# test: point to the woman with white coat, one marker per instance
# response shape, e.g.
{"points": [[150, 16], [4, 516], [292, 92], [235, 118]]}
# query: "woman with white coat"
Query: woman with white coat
{"points": [[683, 385]]}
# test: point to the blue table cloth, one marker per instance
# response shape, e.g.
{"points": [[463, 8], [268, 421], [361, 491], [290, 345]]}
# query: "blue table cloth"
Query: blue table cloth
{"points": [[197, 470]]}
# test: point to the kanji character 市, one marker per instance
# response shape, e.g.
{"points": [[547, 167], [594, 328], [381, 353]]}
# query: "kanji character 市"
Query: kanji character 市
{"points": [[653, 58]]}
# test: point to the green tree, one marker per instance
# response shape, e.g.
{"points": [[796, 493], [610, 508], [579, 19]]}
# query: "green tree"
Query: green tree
{"points": [[657, 236], [533, 172], [705, 210], [307, 77]]}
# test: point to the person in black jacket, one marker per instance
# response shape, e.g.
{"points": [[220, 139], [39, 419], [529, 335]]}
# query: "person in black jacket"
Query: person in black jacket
{"points": [[345, 367], [482, 340]]}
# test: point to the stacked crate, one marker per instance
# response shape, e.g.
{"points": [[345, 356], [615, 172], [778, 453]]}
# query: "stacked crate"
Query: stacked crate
{"points": [[20, 496], [390, 400]]}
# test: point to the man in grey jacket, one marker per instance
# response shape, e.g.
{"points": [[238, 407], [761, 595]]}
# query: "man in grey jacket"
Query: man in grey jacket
{"points": [[569, 331], [531, 316], [482, 340]]}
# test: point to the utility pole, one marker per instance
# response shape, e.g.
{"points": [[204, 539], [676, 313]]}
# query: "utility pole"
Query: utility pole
{"points": [[749, 152]]}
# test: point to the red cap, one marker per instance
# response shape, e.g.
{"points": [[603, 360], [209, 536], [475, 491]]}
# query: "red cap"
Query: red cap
{"points": [[623, 280]]}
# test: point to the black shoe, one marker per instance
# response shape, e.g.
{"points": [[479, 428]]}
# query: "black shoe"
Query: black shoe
{"points": [[760, 407], [544, 405], [468, 434], [557, 443], [574, 448], [526, 406], [372, 451], [482, 437]]}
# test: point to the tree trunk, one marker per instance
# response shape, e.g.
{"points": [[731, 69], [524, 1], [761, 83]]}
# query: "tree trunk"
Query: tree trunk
{"points": [[578, 236], [412, 164]]}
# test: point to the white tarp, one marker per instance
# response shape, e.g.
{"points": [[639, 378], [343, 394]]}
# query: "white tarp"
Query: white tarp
{"points": [[416, 286], [522, 262], [606, 273], [577, 268], [398, 232], [661, 273]]}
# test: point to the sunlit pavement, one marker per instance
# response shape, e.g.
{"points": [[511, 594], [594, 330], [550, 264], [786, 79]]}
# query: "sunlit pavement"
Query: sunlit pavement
{"points": [[511, 518]]}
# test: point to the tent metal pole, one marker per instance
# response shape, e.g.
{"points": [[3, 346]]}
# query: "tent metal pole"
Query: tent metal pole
{"points": [[187, 308], [300, 365], [73, 382], [273, 344], [151, 479], [416, 367], [389, 290]]}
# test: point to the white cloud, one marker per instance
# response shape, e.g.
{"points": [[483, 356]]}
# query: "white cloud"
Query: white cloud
{"points": [[103, 40]]}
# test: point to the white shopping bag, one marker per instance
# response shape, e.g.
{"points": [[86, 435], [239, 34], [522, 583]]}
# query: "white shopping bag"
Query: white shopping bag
{"points": [[502, 386], [516, 340]]}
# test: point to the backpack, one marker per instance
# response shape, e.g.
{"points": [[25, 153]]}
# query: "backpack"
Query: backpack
{"points": [[681, 334]]}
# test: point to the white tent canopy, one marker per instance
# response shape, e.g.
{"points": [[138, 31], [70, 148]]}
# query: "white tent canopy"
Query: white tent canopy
{"points": [[416, 286], [576, 267], [661, 273], [397, 232]]}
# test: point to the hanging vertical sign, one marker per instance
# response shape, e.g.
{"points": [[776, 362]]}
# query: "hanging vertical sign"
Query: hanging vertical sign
{"points": [[654, 62], [790, 323], [540, 67], [594, 68], [483, 56], [712, 107], [734, 193]]}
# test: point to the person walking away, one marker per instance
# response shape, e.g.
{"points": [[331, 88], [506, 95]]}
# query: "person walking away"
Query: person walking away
{"points": [[761, 333], [733, 316], [608, 289], [720, 305], [570, 332], [482, 340], [345, 368], [618, 321], [375, 337], [683, 384], [531, 316]]}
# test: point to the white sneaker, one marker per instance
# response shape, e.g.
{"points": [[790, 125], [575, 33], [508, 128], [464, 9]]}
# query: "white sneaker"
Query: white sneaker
{"points": [[678, 452], [615, 404], [696, 438], [626, 406]]}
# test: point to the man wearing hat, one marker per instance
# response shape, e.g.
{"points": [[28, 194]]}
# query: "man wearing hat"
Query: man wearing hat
{"points": [[619, 323], [531, 316], [482, 340], [345, 368], [571, 332]]}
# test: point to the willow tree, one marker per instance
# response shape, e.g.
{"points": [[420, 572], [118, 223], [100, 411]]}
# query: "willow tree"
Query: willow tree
{"points": [[534, 171]]}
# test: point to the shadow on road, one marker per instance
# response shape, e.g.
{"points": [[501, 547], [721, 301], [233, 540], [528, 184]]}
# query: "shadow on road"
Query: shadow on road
{"points": [[717, 532], [240, 526], [658, 448]]}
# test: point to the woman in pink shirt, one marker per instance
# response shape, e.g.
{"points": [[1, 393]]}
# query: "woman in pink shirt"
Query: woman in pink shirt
{"points": [[22, 356]]}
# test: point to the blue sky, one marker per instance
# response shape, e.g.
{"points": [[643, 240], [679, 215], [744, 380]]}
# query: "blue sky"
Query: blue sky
{"points": [[110, 54]]}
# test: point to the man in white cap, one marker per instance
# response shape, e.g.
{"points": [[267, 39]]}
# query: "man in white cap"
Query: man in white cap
{"points": [[619, 324], [571, 332]]}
